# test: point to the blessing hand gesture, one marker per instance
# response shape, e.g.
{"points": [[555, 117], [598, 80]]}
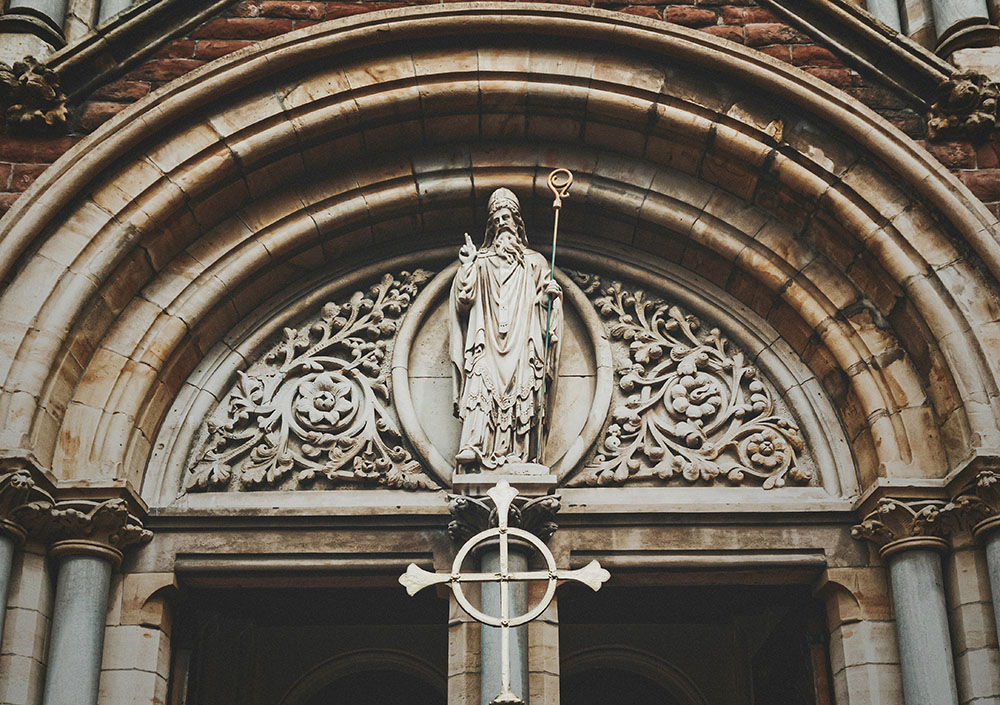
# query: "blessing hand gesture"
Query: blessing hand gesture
{"points": [[468, 251]]}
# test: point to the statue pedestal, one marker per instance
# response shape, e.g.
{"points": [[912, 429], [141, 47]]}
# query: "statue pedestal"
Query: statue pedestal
{"points": [[529, 479]]}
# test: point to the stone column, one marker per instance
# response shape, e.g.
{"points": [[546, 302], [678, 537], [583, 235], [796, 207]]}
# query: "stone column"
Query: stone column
{"points": [[887, 11], [978, 504], [86, 540], [17, 487], [490, 636], [908, 536], [470, 515]]}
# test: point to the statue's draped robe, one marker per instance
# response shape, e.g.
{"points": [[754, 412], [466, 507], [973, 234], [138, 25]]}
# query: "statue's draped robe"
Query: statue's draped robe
{"points": [[497, 347]]}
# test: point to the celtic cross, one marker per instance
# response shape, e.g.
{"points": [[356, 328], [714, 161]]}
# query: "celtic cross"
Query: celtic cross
{"points": [[416, 579]]}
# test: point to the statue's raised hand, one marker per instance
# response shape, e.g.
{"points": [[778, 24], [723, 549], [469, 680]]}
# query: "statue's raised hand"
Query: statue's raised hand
{"points": [[468, 251]]}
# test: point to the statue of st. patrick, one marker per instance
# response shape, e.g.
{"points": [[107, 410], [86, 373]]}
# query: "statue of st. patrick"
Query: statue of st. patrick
{"points": [[500, 316]]}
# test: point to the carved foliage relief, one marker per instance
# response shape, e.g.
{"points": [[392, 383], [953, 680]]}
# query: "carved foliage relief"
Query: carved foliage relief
{"points": [[316, 410], [689, 405]]}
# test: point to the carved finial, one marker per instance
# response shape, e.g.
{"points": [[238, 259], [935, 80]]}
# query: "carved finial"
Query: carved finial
{"points": [[965, 108], [897, 524], [31, 99]]}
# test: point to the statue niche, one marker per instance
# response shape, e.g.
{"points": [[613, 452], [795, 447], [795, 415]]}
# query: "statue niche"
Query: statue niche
{"points": [[505, 335]]}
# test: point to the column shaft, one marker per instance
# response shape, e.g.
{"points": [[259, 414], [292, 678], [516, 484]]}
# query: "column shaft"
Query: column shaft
{"points": [[993, 566], [948, 13], [922, 625], [491, 640], [887, 11], [7, 545], [52, 10], [77, 637]]}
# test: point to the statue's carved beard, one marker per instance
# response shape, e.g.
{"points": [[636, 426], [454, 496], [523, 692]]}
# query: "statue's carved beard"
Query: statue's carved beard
{"points": [[508, 245]]}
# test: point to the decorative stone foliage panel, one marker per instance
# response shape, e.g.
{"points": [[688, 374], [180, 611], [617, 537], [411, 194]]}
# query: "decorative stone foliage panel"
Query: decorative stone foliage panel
{"points": [[316, 410], [689, 405]]}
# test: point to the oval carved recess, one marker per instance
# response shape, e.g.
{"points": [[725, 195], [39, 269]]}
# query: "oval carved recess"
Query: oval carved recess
{"points": [[317, 407], [688, 403]]}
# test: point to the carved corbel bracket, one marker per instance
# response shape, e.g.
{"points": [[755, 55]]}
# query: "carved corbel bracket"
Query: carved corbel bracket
{"points": [[977, 506], [470, 515], [18, 488], [31, 99], [897, 525], [103, 528], [965, 107]]}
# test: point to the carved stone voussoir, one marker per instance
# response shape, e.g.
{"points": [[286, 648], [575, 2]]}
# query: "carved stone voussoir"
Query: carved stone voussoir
{"points": [[965, 108], [30, 97], [470, 515], [316, 410], [895, 525], [690, 405], [107, 524]]}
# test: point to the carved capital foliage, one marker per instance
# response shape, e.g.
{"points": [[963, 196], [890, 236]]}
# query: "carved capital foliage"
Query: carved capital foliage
{"points": [[470, 515], [690, 406], [965, 108], [31, 99], [977, 502], [894, 520], [316, 410], [18, 488], [107, 523]]}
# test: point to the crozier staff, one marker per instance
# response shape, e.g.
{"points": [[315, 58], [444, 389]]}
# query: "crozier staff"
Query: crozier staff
{"points": [[499, 307]]}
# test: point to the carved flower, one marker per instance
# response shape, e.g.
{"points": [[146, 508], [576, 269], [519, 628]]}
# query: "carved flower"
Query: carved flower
{"points": [[767, 449], [694, 396], [325, 400]]}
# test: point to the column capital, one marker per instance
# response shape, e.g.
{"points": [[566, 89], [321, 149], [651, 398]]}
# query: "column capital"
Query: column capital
{"points": [[18, 487], [102, 528], [977, 505], [470, 515], [899, 525]]}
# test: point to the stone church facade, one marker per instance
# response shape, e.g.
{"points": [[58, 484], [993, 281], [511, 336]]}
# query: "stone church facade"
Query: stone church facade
{"points": [[227, 403]]}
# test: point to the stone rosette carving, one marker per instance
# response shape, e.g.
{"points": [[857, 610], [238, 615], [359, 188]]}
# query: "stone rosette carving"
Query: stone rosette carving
{"points": [[108, 523], [471, 515], [317, 406], [690, 406], [965, 108], [31, 99], [895, 522]]}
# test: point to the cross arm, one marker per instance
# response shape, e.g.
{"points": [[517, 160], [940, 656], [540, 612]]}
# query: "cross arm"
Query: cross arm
{"points": [[416, 579], [592, 575]]}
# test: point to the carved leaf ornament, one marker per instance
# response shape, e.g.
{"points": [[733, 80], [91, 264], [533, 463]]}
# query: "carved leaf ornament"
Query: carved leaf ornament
{"points": [[689, 406], [317, 405]]}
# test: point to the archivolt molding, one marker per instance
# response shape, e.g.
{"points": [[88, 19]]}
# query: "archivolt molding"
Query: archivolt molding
{"points": [[172, 222]]}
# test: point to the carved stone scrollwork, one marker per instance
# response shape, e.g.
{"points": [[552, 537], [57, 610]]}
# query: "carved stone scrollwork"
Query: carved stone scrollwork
{"points": [[84, 526], [691, 405], [471, 515], [18, 488], [316, 406], [895, 525], [30, 97], [965, 108]]}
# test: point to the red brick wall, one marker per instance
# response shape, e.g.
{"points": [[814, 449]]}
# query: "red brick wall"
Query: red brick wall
{"points": [[248, 21]]}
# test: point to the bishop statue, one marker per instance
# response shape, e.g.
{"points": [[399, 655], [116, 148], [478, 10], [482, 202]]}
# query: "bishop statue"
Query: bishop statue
{"points": [[505, 333]]}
